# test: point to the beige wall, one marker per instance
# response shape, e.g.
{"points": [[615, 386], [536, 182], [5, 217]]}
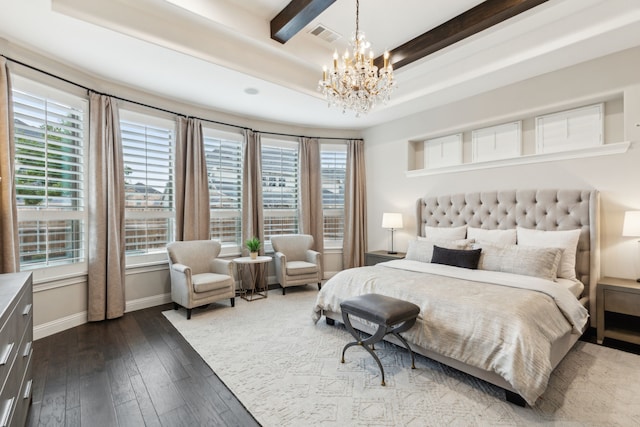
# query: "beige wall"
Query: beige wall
{"points": [[613, 79]]}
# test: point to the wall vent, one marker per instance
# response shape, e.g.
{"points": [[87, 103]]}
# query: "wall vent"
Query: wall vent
{"points": [[325, 33]]}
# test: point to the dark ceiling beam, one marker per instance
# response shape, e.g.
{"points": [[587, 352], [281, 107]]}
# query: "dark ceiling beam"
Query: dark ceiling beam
{"points": [[481, 17], [295, 16]]}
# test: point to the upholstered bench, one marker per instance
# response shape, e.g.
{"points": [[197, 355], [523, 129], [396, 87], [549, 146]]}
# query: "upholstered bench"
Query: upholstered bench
{"points": [[392, 316]]}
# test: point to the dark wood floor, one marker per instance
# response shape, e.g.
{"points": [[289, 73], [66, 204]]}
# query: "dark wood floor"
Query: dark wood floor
{"points": [[132, 371]]}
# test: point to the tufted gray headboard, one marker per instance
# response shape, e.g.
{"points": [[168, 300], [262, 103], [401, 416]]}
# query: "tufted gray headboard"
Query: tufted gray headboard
{"points": [[538, 209]]}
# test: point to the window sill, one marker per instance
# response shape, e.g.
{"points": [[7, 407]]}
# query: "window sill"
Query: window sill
{"points": [[601, 150]]}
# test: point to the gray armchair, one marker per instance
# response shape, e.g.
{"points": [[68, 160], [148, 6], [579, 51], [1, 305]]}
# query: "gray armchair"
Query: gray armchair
{"points": [[198, 278], [296, 263]]}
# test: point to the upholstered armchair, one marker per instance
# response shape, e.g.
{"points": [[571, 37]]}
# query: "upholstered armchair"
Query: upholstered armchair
{"points": [[296, 263], [198, 278]]}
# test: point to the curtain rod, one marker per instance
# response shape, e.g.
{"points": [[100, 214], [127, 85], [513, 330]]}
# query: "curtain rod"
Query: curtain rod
{"points": [[158, 108]]}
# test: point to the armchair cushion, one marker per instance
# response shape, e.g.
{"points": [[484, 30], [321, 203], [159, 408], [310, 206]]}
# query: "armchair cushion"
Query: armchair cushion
{"points": [[297, 268], [205, 282]]}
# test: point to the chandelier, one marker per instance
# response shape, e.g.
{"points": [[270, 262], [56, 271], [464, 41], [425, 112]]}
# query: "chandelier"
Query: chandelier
{"points": [[354, 83]]}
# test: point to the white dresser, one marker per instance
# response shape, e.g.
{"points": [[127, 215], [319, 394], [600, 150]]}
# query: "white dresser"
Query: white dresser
{"points": [[16, 340]]}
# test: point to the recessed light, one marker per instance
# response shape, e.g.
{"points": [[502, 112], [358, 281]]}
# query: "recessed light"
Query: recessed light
{"points": [[251, 91]]}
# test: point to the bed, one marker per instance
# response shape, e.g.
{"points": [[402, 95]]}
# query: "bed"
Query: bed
{"points": [[501, 324]]}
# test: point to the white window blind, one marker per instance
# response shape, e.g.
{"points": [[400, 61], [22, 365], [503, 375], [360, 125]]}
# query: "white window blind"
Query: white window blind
{"points": [[333, 166], [223, 152], [279, 187], [443, 151], [49, 175], [570, 130], [496, 142], [147, 145]]}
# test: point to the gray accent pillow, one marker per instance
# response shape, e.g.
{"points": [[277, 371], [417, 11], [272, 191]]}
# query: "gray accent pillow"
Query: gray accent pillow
{"points": [[421, 249], [518, 259]]}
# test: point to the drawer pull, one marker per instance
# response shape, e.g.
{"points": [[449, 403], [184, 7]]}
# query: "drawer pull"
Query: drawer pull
{"points": [[27, 349], [5, 355], [27, 309], [6, 411], [27, 390]]}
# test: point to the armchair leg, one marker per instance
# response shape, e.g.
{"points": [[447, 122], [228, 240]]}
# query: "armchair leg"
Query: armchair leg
{"points": [[319, 285], [233, 302], [175, 306], [284, 291], [188, 313]]}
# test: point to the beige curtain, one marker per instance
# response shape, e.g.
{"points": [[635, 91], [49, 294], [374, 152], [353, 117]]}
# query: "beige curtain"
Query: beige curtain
{"points": [[106, 299], [9, 255], [355, 207], [311, 218], [252, 214], [192, 188]]}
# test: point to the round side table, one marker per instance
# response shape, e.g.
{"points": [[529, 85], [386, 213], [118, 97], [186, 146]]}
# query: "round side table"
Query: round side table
{"points": [[253, 276]]}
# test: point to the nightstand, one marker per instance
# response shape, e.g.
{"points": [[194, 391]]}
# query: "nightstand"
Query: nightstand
{"points": [[374, 257], [618, 296]]}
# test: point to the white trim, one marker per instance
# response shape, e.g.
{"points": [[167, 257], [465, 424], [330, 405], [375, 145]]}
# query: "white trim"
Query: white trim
{"points": [[77, 319], [59, 325], [146, 302], [600, 150]]}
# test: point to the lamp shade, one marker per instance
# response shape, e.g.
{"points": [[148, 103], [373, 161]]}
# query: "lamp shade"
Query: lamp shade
{"points": [[631, 226], [391, 220]]}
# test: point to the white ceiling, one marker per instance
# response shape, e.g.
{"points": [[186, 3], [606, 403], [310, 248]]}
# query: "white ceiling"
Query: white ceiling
{"points": [[207, 52]]}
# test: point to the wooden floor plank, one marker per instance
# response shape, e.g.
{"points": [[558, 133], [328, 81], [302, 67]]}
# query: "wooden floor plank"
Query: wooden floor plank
{"points": [[144, 402], [96, 404], [129, 414]]}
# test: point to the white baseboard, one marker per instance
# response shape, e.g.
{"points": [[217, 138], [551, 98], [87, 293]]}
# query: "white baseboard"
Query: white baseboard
{"points": [[59, 325], [73, 320], [152, 301]]}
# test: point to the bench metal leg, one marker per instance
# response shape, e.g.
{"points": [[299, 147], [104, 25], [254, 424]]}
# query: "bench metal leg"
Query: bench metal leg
{"points": [[379, 335]]}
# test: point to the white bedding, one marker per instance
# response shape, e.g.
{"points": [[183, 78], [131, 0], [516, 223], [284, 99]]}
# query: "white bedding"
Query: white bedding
{"points": [[506, 328]]}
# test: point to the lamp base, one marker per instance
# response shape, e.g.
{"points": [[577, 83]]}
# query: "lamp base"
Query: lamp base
{"points": [[394, 253]]}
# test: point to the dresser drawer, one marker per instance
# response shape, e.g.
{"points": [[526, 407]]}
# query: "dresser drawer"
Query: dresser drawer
{"points": [[23, 399], [24, 311], [619, 301], [9, 345]]}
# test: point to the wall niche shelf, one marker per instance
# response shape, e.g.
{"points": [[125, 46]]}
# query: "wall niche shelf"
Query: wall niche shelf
{"points": [[600, 150]]}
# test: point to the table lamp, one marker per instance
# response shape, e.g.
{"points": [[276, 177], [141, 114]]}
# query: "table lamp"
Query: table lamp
{"points": [[392, 221], [631, 228]]}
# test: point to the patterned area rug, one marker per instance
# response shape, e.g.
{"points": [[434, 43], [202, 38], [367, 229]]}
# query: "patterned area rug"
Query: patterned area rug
{"points": [[286, 371]]}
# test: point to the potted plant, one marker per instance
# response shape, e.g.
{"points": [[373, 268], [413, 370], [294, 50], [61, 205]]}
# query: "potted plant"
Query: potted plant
{"points": [[253, 244]]}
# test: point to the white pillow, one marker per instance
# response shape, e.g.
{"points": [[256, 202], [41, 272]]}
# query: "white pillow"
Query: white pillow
{"points": [[445, 233], [498, 237], [520, 259], [567, 240], [421, 249]]}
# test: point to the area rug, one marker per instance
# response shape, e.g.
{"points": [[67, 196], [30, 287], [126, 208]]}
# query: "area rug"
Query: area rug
{"points": [[286, 370]]}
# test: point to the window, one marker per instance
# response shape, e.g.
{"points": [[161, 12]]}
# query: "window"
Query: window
{"points": [[49, 175], [570, 130], [333, 167], [279, 187], [223, 152], [496, 142], [443, 151], [147, 146]]}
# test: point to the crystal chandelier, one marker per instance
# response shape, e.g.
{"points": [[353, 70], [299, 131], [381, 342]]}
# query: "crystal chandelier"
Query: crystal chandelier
{"points": [[354, 83]]}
